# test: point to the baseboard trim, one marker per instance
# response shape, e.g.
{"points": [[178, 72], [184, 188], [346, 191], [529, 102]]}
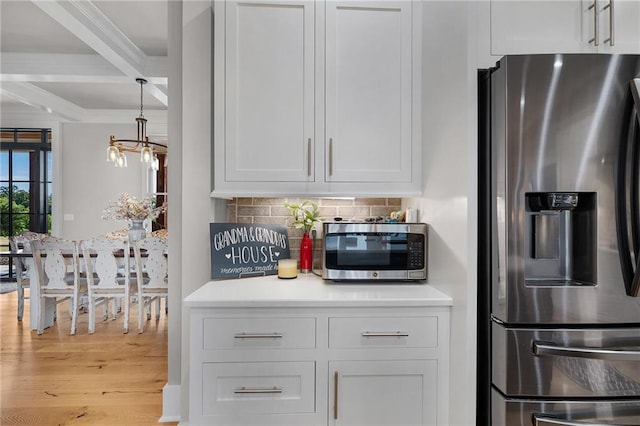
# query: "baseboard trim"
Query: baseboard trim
{"points": [[171, 403]]}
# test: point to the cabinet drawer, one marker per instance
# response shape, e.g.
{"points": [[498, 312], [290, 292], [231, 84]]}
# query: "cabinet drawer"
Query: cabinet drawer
{"points": [[383, 332], [258, 333], [258, 388]]}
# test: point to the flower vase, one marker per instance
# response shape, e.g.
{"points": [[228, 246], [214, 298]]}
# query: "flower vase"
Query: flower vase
{"points": [[306, 254], [136, 231]]}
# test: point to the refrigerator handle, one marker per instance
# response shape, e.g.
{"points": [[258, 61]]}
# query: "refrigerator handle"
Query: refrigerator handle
{"points": [[544, 420], [611, 354], [629, 152]]}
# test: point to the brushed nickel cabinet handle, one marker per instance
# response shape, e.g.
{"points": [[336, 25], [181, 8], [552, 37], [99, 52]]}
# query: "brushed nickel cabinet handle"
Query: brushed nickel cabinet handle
{"points": [[335, 396], [258, 336], [330, 156], [309, 157], [611, 18], [244, 389], [385, 334], [596, 39]]}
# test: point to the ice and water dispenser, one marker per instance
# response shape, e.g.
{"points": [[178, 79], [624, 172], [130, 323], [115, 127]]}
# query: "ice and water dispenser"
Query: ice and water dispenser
{"points": [[560, 239]]}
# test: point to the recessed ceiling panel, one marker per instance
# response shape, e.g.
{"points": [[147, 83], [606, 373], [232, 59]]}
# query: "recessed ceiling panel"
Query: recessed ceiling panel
{"points": [[143, 22], [27, 29]]}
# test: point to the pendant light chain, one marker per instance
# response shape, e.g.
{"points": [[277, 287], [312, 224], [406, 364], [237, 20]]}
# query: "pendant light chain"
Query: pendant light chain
{"points": [[141, 81]]}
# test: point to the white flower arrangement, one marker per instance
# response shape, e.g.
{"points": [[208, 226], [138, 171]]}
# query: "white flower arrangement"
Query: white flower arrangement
{"points": [[128, 207], [304, 215]]}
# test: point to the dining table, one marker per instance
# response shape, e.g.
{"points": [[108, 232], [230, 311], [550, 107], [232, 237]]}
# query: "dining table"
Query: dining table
{"points": [[34, 288], [50, 303]]}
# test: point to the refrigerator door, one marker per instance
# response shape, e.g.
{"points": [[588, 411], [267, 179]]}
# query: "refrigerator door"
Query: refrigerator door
{"points": [[530, 412], [558, 124], [566, 362]]}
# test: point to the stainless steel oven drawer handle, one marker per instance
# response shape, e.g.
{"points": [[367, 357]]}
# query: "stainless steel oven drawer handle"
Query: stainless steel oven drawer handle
{"points": [[539, 420], [385, 334], [258, 390], [258, 336], [549, 349]]}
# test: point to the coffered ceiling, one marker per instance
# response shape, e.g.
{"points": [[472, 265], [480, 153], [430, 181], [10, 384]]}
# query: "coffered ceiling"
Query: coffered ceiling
{"points": [[79, 59]]}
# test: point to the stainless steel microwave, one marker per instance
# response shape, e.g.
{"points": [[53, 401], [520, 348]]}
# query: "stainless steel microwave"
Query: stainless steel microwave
{"points": [[374, 251]]}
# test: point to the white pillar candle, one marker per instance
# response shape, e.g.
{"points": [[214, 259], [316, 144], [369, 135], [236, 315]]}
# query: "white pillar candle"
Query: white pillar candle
{"points": [[287, 268]]}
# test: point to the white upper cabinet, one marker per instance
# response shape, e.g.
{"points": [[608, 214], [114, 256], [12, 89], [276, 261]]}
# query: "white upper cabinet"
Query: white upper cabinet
{"points": [[317, 98], [565, 26], [368, 91], [269, 86]]}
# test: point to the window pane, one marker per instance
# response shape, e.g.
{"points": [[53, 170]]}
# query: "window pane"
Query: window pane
{"points": [[49, 167], [4, 166], [21, 165], [21, 197], [20, 222], [49, 208]]}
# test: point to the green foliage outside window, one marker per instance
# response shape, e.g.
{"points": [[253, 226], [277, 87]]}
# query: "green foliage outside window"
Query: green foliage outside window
{"points": [[20, 211]]}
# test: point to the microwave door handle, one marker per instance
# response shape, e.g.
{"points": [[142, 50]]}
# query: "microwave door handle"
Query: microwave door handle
{"points": [[609, 354], [635, 189], [545, 420], [626, 183]]}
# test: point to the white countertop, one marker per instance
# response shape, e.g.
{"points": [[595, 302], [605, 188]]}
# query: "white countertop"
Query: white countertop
{"points": [[309, 290]]}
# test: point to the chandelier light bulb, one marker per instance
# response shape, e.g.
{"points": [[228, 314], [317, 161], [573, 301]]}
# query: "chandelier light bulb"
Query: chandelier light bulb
{"points": [[112, 153], [155, 164], [146, 154], [122, 160]]}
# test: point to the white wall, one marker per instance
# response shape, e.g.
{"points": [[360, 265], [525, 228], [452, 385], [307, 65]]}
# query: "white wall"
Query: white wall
{"points": [[198, 209], [90, 182], [171, 401], [448, 203]]}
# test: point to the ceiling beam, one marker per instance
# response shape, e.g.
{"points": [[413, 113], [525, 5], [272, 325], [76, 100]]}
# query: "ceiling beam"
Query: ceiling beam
{"points": [[34, 96], [65, 68], [84, 20]]}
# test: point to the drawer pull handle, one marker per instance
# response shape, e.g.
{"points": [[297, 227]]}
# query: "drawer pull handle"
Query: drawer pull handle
{"points": [[259, 336], [258, 390], [385, 334]]}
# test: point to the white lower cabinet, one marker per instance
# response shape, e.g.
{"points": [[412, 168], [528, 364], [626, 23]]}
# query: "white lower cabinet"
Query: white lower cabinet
{"points": [[294, 365], [258, 388], [371, 393]]}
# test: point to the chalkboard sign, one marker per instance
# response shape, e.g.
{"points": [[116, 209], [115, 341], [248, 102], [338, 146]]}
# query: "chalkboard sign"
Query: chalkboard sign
{"points": [[243, 250]]}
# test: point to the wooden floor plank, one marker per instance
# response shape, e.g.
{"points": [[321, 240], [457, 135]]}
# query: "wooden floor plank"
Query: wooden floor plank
{"points": [[105, 378]]}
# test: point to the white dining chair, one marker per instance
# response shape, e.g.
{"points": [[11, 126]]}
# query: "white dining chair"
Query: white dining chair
{"points": [[107, 267], [57, 264], [151, 276], [21, 243]]}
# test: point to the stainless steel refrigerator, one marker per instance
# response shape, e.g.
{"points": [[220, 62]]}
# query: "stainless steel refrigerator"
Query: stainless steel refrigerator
{"points": [[560, 241]]}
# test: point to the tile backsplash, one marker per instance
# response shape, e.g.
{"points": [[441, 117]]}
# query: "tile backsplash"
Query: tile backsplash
{"points": [[272, 211]]}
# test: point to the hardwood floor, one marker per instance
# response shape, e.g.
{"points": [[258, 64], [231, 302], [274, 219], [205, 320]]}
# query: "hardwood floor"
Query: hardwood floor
{"points": [[107, 378]]}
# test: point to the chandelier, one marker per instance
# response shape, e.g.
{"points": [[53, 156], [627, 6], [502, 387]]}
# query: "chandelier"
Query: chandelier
{"points": [[148, 150]]}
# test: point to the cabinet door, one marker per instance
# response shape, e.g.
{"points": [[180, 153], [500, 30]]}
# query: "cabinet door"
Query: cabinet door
{"points": [[368, 91], [376, 393], [619, 26], [269, 101], [527, 27]]}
